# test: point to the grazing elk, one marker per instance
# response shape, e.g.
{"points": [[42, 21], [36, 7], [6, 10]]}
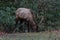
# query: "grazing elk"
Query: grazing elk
{"points": [[25, 14]]}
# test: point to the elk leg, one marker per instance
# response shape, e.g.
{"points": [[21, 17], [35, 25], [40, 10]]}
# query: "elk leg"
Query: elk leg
{"points": [[28, 25], [21, 28], [22, 22], [37, 30]]}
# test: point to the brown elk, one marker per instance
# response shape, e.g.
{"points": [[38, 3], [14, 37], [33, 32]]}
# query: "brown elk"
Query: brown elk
{"points": [[25, 14]]}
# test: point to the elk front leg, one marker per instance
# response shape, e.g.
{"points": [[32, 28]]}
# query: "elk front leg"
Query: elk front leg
{"points": [[28, 25]]}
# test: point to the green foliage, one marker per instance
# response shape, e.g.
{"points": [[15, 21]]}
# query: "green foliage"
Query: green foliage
{"points": [[48, 8]]}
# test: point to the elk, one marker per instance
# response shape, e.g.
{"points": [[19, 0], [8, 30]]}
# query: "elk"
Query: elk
{"points": [[25, 14]]}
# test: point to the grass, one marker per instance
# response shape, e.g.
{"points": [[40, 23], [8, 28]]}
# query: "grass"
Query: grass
{"points": [[53, 35]]}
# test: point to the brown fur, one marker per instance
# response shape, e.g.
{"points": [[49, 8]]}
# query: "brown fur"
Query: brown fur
{"points": [[26, 14]]}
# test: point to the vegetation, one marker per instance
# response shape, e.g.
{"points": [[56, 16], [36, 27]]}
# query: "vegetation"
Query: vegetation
{"points": [[49, 10], [54, 35]]}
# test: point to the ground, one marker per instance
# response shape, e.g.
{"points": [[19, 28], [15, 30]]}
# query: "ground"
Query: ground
{"points": [[51, 35]]}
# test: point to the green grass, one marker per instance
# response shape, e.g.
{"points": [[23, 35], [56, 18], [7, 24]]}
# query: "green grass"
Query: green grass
{"points": [[32, 36]]}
